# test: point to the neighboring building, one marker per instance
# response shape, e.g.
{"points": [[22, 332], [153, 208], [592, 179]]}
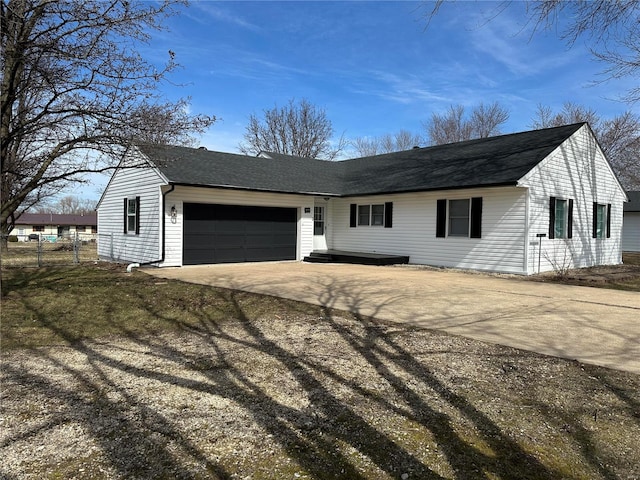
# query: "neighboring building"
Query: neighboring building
{"points": [[631, 223], [53, 226], [479, 204]]}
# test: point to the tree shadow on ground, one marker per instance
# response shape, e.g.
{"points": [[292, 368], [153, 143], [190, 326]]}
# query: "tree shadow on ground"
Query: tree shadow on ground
{"points": [[326, 431]]}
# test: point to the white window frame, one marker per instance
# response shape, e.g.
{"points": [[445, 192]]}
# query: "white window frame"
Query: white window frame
{"points": [[131, 215], [450, 217], [601, 220], [318, 220], [369, 218], [562, 220]]}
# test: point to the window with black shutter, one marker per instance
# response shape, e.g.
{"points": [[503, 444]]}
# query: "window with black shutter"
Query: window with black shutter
{"points": [[459, 218], [132, 215]]}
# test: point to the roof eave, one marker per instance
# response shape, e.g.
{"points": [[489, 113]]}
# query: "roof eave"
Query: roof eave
{"points": [[434, 189], [255, 189]]}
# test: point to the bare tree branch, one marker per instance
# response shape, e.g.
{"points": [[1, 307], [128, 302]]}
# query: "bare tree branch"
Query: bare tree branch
{"points": [[73, 82], [619, 137], [454, 126], [300, 129], [611, 29], [388, 143]]}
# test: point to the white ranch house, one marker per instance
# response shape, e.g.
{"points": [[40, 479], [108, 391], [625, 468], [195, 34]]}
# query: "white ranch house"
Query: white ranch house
{"points": [[519, 203], [54, 226]]}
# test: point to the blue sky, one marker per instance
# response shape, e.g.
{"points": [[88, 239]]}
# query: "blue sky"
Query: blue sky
{"points": [[373, 67]]}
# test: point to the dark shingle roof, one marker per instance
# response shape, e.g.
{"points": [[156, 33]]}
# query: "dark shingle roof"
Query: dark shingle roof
{"points": [[493, 161], [285, 173], [634, 202], [90, 218], [500, 160]]}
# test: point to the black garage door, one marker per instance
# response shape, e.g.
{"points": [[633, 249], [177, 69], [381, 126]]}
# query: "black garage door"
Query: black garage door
{"points": [[237, 233]]}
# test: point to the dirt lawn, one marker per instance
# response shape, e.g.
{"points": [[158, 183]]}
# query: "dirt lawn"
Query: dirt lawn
{"points": [[150, 378]]}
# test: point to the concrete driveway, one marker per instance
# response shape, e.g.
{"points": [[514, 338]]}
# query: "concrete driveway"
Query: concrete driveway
{"points": [[596, 326]]}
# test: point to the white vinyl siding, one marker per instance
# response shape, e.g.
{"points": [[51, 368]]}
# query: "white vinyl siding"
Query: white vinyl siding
{"points": [[113, 243], [576, 170], [501, 247], [182, 194]]}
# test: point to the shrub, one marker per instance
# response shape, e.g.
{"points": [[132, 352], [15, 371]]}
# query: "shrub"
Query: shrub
{"points": [[13, 238]]}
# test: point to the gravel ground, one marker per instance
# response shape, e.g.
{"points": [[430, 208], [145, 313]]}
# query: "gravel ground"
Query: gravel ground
{"points": [[312, 397]]}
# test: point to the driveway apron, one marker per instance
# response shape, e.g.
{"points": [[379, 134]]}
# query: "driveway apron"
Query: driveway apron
{"points": [[597, 326]]}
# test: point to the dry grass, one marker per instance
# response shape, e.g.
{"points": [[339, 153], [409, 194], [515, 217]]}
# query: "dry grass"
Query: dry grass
{"points": [[618, 277], [138, 378], [25, 254]]}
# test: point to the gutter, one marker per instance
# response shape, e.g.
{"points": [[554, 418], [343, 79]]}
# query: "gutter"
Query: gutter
{"points": [[131, 266]]}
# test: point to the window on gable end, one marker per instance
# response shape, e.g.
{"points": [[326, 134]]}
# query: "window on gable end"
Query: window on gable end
{"points": [[601, 220], [560, 218], [132, 215]]}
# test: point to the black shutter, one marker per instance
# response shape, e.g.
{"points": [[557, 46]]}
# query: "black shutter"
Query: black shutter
{"points": [[353, 217], [126, 205], [570, 220], [441, 218], [476, 217], [608, 220], [388, 214], [552, 217], [594, 230], [137, 215]]}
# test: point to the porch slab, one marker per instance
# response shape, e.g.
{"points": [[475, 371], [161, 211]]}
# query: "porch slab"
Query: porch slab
{"points": [[357, 258]]}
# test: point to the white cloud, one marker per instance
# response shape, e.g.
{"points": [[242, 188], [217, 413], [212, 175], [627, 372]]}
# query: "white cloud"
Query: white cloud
{"points": [[213, 11], [405, 89], [507, 42]]}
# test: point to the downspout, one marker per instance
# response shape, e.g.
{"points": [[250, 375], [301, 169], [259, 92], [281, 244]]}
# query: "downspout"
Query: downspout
{"points": [[527, 241], [131, 266]]}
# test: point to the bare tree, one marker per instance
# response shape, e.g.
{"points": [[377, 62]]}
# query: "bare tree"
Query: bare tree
{"points": [[300, 129], [487, 119], [75, 92], [454, 126], [167, 123], [619, 137], [388, 143], [449, 127], [366, 146], [609, 27], [68, 204]]}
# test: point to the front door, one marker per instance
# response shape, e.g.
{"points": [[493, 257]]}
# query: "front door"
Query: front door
{"points": [[319, 227]]}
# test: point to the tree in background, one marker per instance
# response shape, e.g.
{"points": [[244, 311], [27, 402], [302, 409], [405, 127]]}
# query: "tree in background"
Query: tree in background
{"points": [[68, 204], [300, 129], [609, 27], [167, 123], [75, 92], [454, 126], [388, 143], [619, 137]]}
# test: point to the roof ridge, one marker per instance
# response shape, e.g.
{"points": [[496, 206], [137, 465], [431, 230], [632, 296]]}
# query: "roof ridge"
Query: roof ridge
{"points": [[497, 160]]}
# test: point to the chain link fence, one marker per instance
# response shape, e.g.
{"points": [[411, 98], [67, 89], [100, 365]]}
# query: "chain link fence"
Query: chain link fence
{"points": [[46, 250]]}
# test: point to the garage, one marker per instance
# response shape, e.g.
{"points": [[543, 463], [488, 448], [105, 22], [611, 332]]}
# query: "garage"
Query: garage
{"points": [[216, 233]]}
